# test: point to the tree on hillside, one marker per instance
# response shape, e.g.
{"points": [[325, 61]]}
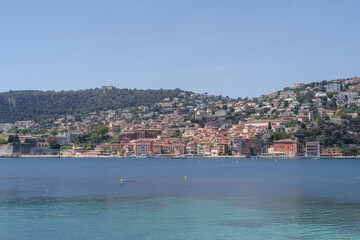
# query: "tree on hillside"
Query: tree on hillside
{"points": [[98, 134], [350, 151], [24, 131], [53, 142], [14, 139], [53, 132], [101, 130], [279, 135], [95, 138]]}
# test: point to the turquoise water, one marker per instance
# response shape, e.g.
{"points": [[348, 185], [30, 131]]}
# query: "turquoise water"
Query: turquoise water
{"points": [[220, 199]]}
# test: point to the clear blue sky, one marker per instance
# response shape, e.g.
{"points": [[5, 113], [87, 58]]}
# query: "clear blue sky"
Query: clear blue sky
{"points": [[234, 48]]}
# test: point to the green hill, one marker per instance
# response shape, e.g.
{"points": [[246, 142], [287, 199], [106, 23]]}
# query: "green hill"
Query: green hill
{"points": [[37, 105]]}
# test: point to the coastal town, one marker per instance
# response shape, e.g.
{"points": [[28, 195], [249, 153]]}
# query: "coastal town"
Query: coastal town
{"points": [[203, 125]]}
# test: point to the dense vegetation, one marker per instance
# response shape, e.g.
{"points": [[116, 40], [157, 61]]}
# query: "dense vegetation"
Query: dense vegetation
{"points": [[331, 133], [38, 105]]}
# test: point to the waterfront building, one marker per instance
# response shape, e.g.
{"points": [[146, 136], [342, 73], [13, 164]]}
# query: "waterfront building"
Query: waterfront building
{"points": [[108, 147], [221, 149], [157, 149], [287, 147], [236, 144], [244, 148], [203, 148], [312, 149], [214, 152], [330, 151], [166, 149], [143, 147], [178, 149]]}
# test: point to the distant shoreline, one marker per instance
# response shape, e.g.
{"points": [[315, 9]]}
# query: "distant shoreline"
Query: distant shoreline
{"points": [[203, 157]]}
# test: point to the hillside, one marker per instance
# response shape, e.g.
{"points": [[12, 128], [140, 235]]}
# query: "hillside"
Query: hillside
{"points": [[37, 105], [327, 112]]}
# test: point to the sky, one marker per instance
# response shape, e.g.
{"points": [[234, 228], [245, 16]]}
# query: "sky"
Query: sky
{"points": [[230, 48]]}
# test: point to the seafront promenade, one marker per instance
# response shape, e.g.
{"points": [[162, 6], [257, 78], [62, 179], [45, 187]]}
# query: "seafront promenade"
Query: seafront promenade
{"points": [[204, 157]]}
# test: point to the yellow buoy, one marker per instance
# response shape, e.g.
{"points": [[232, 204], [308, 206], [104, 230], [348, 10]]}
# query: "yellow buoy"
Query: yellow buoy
{"points": [[185, 177], [122, 180], [237, 161]]}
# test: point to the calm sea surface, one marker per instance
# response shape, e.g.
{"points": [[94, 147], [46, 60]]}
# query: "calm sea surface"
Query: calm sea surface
{"points": [[220, 199]]}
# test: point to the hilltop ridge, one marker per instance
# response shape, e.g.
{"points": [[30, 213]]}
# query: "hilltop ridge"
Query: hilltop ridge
{"points": [[40, 105]]}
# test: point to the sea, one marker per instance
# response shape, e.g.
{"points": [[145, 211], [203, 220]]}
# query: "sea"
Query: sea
{"points": [[164, 199]]}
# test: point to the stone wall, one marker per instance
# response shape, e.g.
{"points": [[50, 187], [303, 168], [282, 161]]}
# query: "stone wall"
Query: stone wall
{"points": [[6, 149], [44, 151], [15, 150]]}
